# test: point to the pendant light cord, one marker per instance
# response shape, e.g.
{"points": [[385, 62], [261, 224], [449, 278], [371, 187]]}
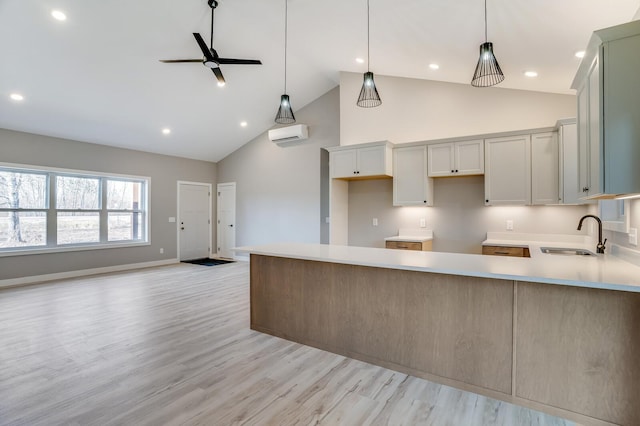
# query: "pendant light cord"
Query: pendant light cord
{"points": [[286, 22], [485, 21], [368, 59]]}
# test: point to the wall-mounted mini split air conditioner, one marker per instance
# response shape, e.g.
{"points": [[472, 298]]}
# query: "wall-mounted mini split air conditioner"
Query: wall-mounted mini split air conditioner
{"points": [[290, 135]]}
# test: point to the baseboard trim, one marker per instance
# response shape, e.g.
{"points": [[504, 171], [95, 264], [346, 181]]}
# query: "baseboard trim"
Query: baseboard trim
{"points": [[14, 282]]}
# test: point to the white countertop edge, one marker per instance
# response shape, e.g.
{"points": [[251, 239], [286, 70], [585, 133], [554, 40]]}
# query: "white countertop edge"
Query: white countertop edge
{"points": [[482, 262], [409, 239]]}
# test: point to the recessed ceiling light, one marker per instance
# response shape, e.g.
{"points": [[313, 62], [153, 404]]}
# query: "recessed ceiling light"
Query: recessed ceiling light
{"points": [[360, 60], [166, 131], [221, 83], [531, 74], [434, 66], [580, 54], [243, 123], [16, 97], [59, 15]]}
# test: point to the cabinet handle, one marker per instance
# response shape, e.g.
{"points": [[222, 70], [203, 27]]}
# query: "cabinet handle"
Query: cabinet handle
{"points": [[456, 171], [501, 252], [424, 201], [585, 189], [486, 201], [451, 171]]}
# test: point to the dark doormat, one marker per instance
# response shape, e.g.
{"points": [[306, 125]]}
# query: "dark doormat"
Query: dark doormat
{"points": [[208, 262]]}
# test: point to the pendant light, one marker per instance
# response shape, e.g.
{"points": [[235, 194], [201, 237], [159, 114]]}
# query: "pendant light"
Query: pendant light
{"points": [[285, 113], [488, 72], [369, 96]]}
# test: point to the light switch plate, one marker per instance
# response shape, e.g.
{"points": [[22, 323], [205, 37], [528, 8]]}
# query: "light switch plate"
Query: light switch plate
{"points": [[423, 222], [633, 236], [375, 221], [172, 219]]}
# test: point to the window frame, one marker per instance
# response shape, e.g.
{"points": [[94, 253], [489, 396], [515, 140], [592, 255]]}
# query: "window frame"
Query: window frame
{"points": [[51, 211]]}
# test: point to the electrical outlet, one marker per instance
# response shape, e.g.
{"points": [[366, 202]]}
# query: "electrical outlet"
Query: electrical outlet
{"points": [[423, 222], [633, 236], [375, 221], [509, 225]]}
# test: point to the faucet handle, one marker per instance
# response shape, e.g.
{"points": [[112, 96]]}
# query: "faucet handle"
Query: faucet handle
{"points": [[601, 247]]}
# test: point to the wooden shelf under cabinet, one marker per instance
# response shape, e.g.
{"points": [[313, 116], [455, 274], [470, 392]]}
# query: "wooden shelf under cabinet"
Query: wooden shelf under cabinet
{"points": [[506, 251], [409, 245]]}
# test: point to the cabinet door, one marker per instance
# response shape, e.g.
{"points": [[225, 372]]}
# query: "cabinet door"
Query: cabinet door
{"points": [[411, 186], [583, 140], [371, 161], [596, 155], [343, 163], [469, 157], [570, 191], [441, 159], [507, 179], [544, 168]]}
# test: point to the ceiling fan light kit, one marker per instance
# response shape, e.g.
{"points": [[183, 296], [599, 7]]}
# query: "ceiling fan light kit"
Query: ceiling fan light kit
{"points": [[488, 72], [285, 112], [369, 96]]}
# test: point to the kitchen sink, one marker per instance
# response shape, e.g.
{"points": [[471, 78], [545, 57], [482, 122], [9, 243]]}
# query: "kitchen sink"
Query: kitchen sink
{"points": [[567, 251]]}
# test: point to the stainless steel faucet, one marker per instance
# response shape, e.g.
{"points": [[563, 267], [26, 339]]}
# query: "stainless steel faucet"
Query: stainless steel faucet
{"points": [[600, 247]]}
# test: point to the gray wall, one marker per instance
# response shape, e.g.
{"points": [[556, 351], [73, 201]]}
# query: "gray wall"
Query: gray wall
{"points": [[164, 171], [458, 218], [279, 189]]}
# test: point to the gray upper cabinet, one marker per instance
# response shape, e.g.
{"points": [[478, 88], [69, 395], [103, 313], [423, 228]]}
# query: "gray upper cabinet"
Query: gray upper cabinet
{"points": [[608, 89], [367, 160]]}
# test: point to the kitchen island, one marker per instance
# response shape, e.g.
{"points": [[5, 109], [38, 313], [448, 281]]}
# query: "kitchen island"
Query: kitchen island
{"points": [[557, 334]]}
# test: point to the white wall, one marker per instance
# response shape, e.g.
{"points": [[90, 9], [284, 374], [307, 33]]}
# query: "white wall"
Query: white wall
{"points": [[417, 110], [459, 217], [279, 190]]}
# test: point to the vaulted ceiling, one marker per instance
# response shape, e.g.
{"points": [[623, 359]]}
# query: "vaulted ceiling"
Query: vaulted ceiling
{"points": [[96, 76]]}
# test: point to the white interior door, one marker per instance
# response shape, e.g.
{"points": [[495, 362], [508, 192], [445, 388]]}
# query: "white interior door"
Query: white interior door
{"points": [[194, 224], [226, 219]]}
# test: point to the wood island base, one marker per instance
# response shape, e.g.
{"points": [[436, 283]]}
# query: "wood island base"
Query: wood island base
{"points": [[572, 352]]}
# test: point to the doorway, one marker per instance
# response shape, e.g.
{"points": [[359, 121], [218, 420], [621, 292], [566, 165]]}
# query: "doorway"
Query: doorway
{"points": [[226, 230], [194, 220]]}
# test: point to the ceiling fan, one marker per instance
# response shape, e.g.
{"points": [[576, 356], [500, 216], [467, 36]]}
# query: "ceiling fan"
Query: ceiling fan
{"points": [[211, 58]]}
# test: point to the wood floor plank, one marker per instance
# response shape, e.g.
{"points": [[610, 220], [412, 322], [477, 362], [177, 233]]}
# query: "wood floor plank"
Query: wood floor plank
{"points": [[172, 346]]}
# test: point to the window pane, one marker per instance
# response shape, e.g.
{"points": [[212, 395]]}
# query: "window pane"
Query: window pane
{"points": [[125, 226], [77, 193], [123, 195], [77, 228], [23, 229], [19, 190]]}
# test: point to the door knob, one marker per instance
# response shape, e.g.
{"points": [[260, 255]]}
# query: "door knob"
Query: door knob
{"points": [[182, 227], [231, 226]]}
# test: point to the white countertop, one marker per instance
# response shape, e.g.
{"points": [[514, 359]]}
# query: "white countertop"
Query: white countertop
{"points": [[601, 271], [412, 235]]}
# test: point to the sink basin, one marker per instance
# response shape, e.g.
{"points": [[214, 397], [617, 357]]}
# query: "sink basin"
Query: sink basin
{"points": [[567, 251]]}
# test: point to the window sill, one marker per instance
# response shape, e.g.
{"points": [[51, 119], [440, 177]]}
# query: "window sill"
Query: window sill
{"points": [[70, 248]]}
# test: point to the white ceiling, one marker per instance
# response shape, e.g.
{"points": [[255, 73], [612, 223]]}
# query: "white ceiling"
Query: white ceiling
{"points": [[96, 76]]}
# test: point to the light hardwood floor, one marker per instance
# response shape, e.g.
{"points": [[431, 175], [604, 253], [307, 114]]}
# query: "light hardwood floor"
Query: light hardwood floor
{"points": [[172, 345]]}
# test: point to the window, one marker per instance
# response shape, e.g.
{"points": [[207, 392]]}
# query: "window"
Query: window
{"points": [[59, 209], [613, 215], [23, 207]]}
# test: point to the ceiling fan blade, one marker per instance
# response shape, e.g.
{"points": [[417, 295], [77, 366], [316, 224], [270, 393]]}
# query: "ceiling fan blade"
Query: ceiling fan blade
{"points": [[239, 61], [172, 61], [203, 46], [219, 75]]}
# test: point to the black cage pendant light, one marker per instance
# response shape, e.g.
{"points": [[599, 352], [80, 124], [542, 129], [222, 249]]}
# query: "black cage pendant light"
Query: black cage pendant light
{"points": [[369, 96], [285, 113], [488, 72]]}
